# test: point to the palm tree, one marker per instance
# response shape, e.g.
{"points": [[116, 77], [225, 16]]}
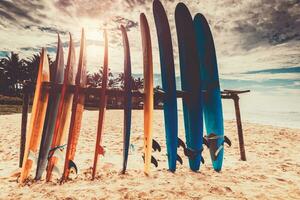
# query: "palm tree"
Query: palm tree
{"points": [[95, 79], [120, 80], [14, 72], [31, 68], [3, 78], [138, 83], [12, 69]]}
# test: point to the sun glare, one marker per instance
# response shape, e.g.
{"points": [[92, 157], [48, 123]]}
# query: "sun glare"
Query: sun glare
{"points": [[93, 30], [94, 35]]}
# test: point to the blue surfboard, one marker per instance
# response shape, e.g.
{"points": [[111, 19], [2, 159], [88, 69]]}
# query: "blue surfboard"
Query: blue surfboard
{"points": [[212, 104], [190, 82], [168, 82], [127, 98]]}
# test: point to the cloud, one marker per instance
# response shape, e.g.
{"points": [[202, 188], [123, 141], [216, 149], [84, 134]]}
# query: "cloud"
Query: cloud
{"points": [[127, 23], [6, 15], [17, 11], [249, 35], [274, 20], [46, 29]]}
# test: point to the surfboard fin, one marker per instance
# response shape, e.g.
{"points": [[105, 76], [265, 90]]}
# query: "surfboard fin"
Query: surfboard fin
{"points": [[179, 159], [216, 153], [202, 160], [54, 152], [100, 150], [213, 145], [72, 166], [156, 146], [205, 142], [153, 160], [191, 153], [227, 141], [180, 144], [59, 154]]}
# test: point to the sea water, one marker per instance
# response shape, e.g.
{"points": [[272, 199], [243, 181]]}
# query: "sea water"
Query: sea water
{"points": [[274, 98]]}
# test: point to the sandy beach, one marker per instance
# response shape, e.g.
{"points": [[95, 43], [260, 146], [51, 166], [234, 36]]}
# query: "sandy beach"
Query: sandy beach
{"points": [[272, 169]]}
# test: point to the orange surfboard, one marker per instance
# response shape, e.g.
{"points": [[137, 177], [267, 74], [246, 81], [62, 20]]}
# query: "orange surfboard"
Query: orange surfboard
{"points": [[38, 113], [148, 92], [63, 114], [77, 110], [102, 108]]}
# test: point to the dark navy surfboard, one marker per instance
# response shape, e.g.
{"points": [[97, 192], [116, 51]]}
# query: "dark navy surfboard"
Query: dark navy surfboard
{"points": [[168, 81], [212, 104], [190, 82], [127, 98]]}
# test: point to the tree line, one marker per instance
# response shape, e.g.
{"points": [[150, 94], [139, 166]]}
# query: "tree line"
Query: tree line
{"points": [[15, 72]]}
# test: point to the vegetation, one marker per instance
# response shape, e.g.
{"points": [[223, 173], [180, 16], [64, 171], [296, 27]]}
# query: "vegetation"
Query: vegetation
{"points": [[15, 72]]}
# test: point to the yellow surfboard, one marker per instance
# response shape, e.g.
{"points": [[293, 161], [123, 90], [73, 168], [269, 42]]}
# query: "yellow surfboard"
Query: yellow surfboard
{"points": [[38, 113], [77, 110], [148, 92]]}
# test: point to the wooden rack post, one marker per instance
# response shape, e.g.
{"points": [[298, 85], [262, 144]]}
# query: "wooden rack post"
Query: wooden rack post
{"points": [[24, 123], [226, 94], [234, 95], [239, 126]]}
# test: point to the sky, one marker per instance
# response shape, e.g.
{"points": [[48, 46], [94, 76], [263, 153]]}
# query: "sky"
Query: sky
{"points": [[257, 43], [249, 35]]}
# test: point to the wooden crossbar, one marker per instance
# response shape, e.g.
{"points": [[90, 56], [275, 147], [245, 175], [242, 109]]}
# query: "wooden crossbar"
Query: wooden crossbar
{"points": [[56, 88]]}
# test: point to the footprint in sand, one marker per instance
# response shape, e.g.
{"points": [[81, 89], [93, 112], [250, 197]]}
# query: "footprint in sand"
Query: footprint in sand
{"points": [[159, 195], [295, 194], [142, 195], [193, 195], [217, 190]]}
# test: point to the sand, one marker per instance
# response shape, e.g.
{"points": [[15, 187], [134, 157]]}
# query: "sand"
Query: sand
{"points": [[272, 169]]}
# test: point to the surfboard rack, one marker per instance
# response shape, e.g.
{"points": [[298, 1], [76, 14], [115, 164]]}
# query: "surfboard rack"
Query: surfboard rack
{"points": [[28, 91], [234, 95]]}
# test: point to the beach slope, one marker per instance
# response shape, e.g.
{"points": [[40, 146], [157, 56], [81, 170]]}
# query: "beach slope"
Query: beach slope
{"points": [[272, 169]]}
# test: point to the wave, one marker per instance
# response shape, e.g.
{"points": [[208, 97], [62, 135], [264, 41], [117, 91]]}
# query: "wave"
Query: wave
{"points": [[276, 70]]}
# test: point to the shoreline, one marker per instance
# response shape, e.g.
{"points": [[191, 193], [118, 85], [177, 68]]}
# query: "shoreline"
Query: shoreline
{"points": [[18, 110], [272, 169]]}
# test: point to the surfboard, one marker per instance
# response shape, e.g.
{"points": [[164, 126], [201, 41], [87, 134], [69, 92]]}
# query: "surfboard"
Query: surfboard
{"points": [[102, 108], [38, 113], [62, 119], [52, 109], [168, 82], [77, 111], [190, 82], [148, 91], [212, 103], [127, 98]]}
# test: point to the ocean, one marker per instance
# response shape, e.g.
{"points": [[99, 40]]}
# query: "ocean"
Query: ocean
{"points": [[274, 98]]}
